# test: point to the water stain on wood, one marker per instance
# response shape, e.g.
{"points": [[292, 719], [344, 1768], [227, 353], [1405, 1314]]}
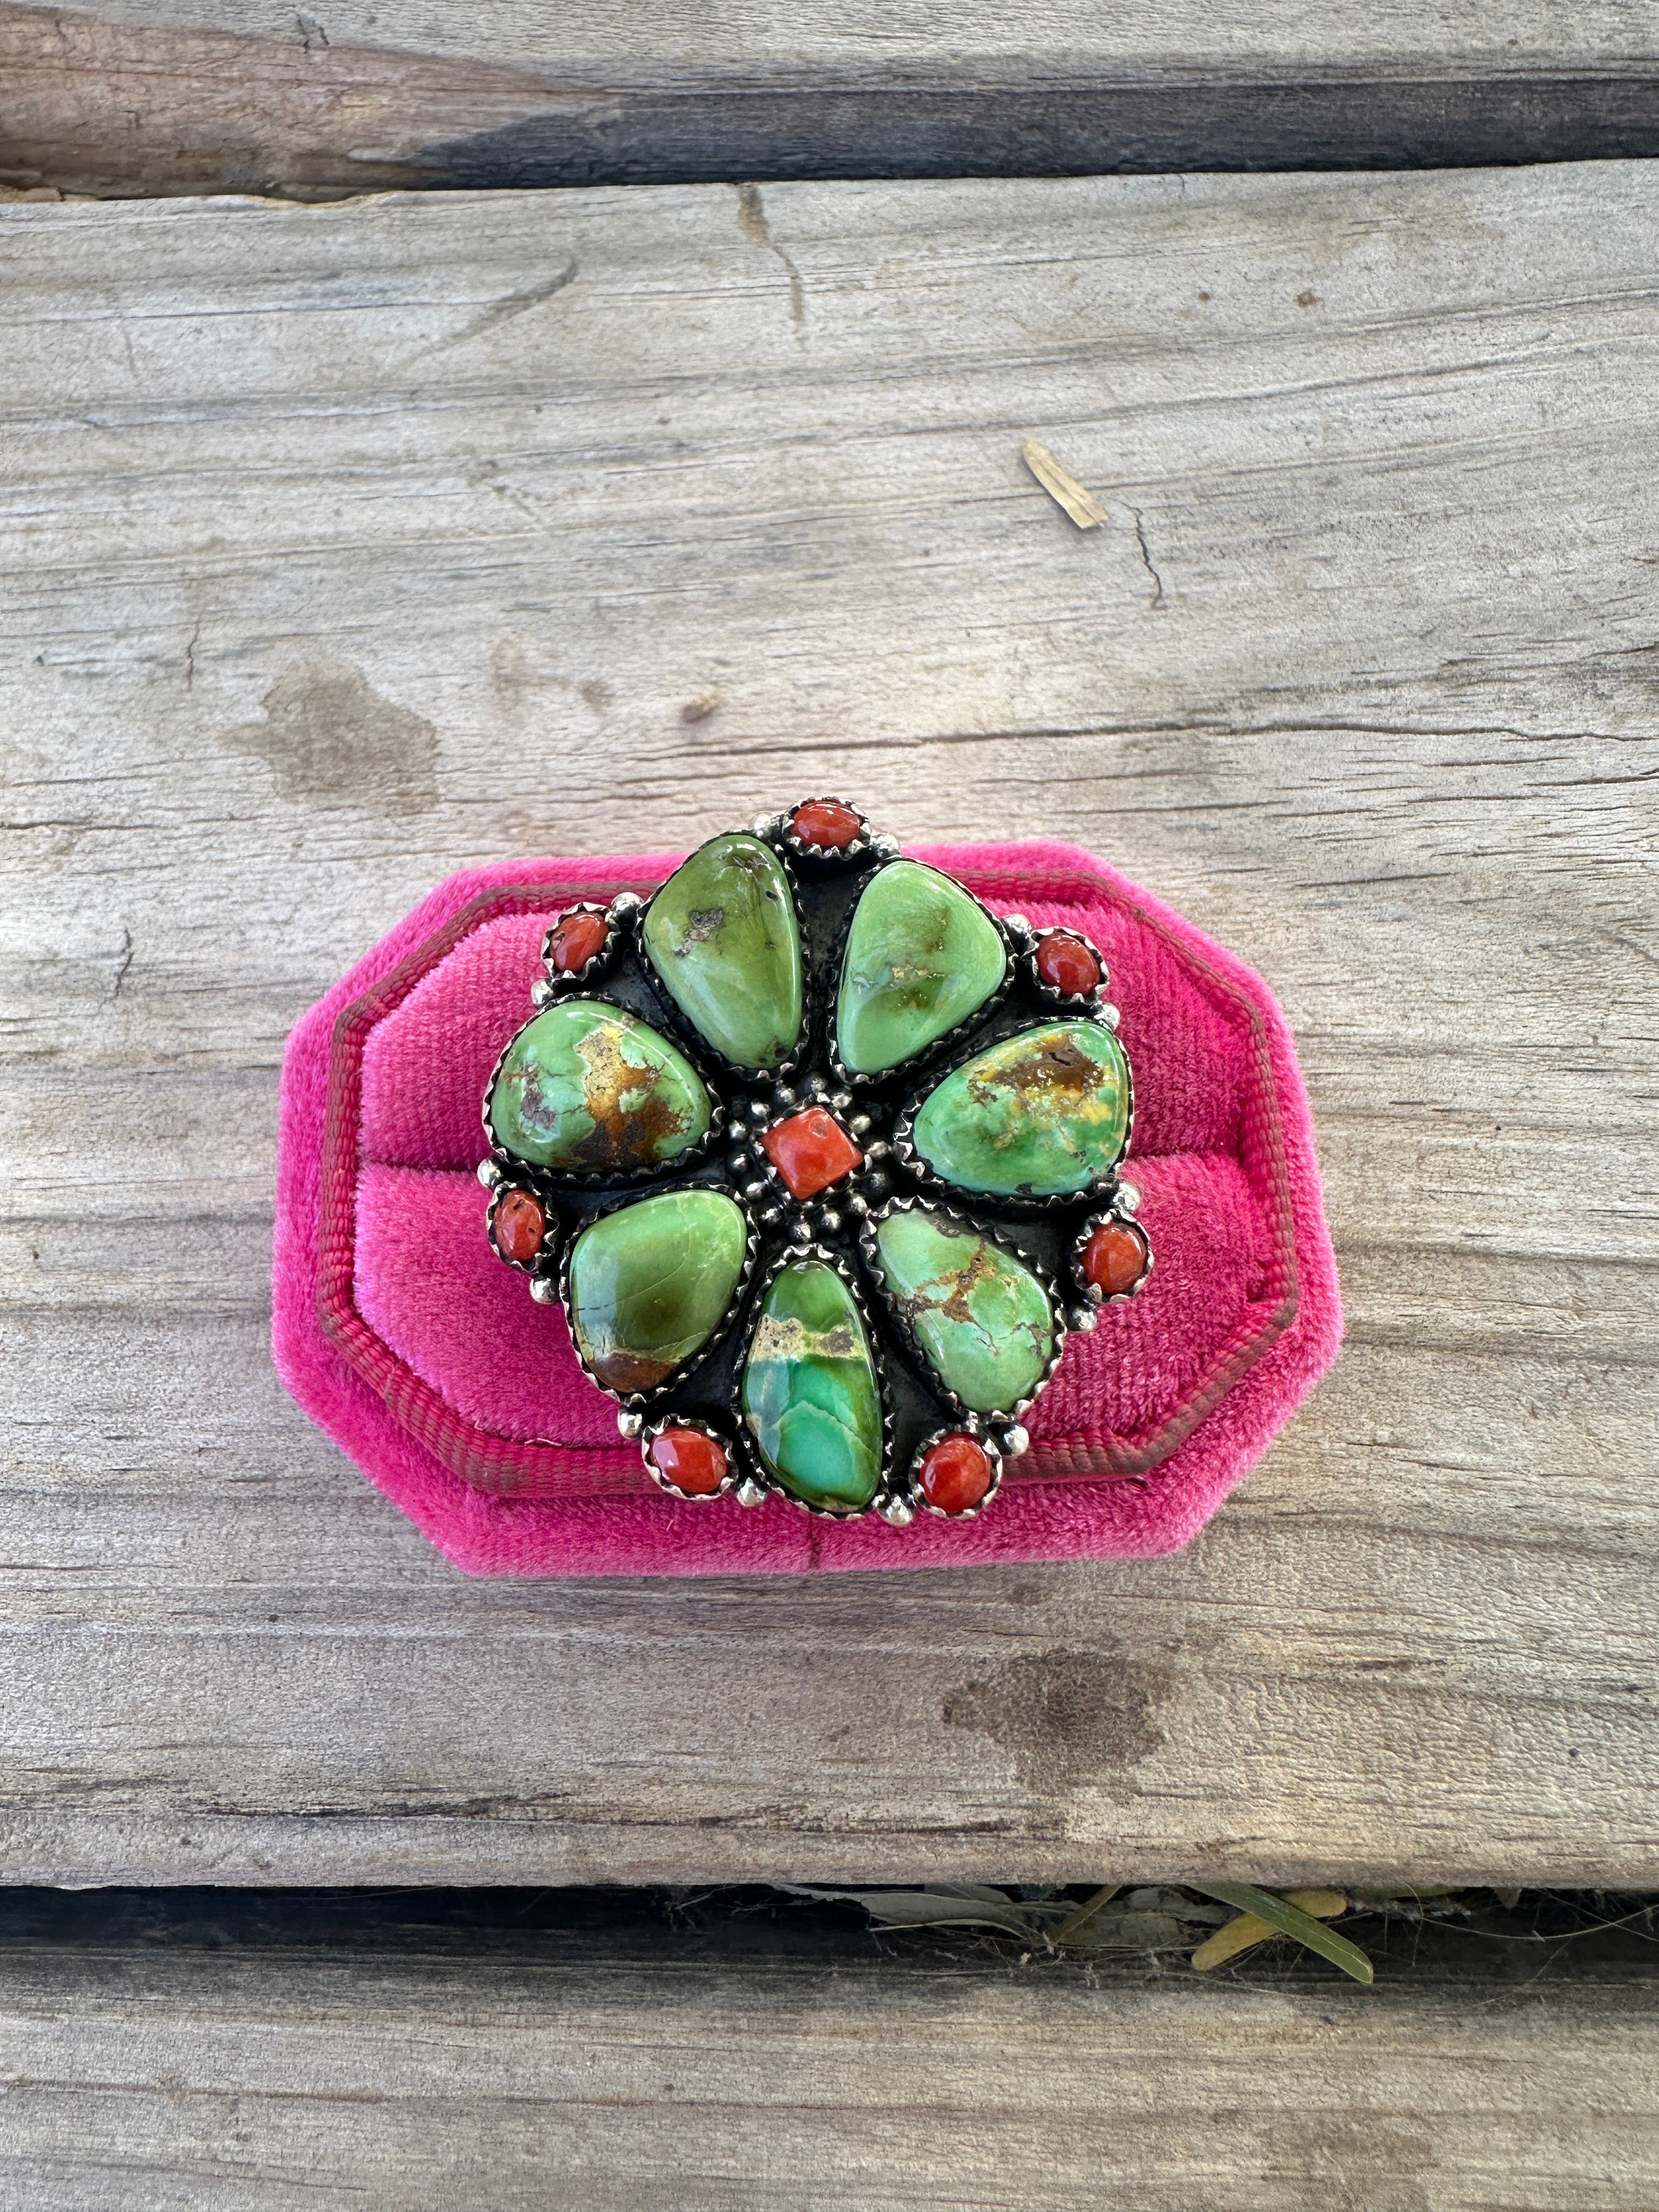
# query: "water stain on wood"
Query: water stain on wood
{"points": [[330, 735], [1067, 1716]]}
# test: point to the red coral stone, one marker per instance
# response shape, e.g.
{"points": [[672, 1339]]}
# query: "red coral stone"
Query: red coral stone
{"points": [[826, 822], [955, 1474], [521, 1225], [572, 942], [810, 1150], [1115, 1258], [1066, 964], [689, 1459]]}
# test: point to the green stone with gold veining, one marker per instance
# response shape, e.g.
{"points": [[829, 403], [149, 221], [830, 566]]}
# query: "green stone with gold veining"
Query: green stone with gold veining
{"points": [[592, 1090], [650, 1283], [809, 1394], [722, 935], [921, 955], [982, 1319], [1042, 1114]]}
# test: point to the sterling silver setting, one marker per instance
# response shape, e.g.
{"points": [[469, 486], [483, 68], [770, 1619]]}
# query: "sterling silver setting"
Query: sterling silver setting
{"points": [[838, 1226]]}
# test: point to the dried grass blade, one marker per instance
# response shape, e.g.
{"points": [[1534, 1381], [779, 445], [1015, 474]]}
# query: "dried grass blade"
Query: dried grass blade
{"points": [[934, 1908], [1062, 486], [1288, 1919], [1250, 1928], [1074, 1923]]}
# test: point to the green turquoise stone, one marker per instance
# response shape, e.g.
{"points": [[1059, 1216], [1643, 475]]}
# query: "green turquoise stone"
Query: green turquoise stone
{"points": [[722, 935], [920, 956], [650, 1283], [810, 1395], [980, 1317], [594, 1091], [1043, 1114]]}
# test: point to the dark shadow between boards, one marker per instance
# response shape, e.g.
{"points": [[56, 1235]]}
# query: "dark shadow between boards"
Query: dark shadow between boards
{"points": [[1473, 1935], [717, 137], [290, 130]]}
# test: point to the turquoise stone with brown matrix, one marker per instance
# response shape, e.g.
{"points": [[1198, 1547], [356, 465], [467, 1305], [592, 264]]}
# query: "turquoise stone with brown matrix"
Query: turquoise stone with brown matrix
{"points": [[592, 1089], [921, 955], [650, 1283], [1043, 1114], [809, 1394], [982, 1319], [722, 934]]}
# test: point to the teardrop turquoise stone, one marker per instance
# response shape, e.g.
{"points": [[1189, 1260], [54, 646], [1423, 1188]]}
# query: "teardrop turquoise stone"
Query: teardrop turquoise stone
{"points": [[722, 935], [650, 1283], [920, 956], [981, 1317], [592, 1090], [809, 1394], [1042, 1114]]}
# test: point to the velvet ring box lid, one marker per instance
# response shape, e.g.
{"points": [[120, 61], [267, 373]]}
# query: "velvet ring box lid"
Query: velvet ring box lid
{"points": [[397, 1329]]}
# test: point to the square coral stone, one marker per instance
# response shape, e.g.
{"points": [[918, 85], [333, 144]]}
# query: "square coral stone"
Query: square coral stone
{"points": [[810, 1150]]}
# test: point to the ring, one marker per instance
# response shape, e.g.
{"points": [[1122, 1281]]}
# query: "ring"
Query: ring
{"points": [[822, 1159]]}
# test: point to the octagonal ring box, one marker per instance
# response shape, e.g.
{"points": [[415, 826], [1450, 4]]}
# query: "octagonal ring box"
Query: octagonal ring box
{"points": [[400, 1333]]}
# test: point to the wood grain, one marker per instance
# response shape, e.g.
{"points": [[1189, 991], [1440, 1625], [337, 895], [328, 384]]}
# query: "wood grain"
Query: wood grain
{"points": [[614, 2069], [167, 96], [342, 547]]}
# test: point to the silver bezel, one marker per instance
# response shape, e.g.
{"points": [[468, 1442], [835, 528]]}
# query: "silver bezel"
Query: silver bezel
{"points": [[971, 1418], [733, 1465], [546, 1260], [1120, 1217], [1093, 1001], [766, 1168], [557, 982], [755, 1464], [919, 1498], [678, 1019], [513, 1163], [863, 847], [634, 1399], [952, 1038], [910, 1159]]}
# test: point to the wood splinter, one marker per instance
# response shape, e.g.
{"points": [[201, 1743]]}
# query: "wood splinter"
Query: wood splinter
{"points": [[1062, 486]]}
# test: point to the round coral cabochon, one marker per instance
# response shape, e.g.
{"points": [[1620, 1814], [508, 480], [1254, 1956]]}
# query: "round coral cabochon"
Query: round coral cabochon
{"points": [[398, 1331]]}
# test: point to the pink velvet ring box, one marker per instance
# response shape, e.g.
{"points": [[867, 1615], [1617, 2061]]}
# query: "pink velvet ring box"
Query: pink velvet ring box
{"points": [[401, 1335]]}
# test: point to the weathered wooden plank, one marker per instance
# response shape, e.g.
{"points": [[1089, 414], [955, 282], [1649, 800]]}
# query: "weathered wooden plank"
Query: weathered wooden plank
{"points": [[342, 547], [617, 2067], [147, 96]]}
